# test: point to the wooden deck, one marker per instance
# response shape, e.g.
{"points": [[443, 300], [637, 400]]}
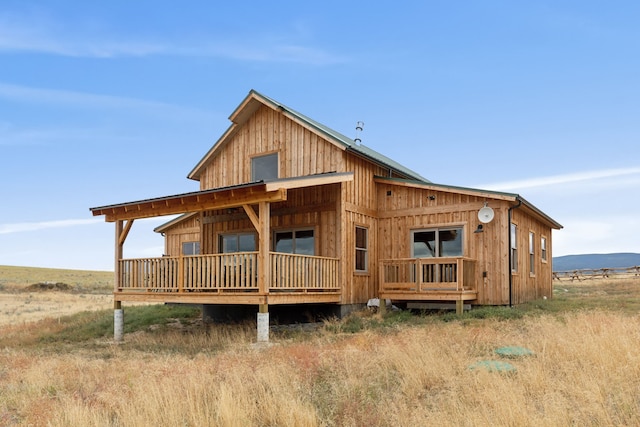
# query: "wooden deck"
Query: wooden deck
{"points": [[229, 279], [428, 279]]}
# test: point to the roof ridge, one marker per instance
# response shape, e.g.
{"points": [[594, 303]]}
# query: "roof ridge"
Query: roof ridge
{"points": [[349, 143]]}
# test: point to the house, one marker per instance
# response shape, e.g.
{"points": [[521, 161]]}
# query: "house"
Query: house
{"points": [[292, 212]]}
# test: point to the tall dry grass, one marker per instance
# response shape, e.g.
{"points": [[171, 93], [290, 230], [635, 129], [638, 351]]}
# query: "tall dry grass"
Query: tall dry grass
{"points": [[585, 371]]}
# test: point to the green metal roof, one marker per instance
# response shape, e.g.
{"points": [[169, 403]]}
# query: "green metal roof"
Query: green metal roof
{"points": [[477, 191], [349, 143]]}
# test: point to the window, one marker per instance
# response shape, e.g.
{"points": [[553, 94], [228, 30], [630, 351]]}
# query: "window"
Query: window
{"points": [[543, 249], [237, 242], [532, 251], [190, 248], [362, 243], [440, 242], [514, 247], [295, 242], [264, 168]]}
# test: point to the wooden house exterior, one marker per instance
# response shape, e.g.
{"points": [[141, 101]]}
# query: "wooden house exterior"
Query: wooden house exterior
{"points": [[291, 212]]}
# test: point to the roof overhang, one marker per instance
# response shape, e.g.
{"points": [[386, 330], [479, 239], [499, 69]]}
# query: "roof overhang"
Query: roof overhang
{"points": [[518, 201], [219, 198], [310, 180]]}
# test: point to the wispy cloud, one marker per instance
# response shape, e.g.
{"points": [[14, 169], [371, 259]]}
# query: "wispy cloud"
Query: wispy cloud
{"points": [[45, 36], [562, 179], [21, 227], [593, 233], [267, 52], [73, 99], [42, 34], [12, 135]]}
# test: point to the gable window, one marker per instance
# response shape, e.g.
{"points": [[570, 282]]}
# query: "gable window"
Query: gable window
{"points": [[190, 248], [300, 242], [532, 247], [237, 242], [264, 168], [438, 242], [514, 248], [543, 249], [362, 244]]}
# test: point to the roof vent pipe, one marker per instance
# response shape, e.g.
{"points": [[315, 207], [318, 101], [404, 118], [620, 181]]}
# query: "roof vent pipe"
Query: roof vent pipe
{"points": [[359, 127]]}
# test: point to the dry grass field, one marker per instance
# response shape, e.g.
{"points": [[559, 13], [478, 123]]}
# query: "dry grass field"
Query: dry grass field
{"points": [[405, 369], [28, 294]]}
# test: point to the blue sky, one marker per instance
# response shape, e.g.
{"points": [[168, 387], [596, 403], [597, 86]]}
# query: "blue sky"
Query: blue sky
{"points": [[109, 102]]}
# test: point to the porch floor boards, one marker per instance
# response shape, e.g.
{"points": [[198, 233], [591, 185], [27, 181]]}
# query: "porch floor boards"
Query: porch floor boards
{"points": [[438, 295], [237, 297]]}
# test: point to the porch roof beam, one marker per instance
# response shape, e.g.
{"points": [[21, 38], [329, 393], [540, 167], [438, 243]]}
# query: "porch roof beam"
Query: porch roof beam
{"points": [[191, 202]]}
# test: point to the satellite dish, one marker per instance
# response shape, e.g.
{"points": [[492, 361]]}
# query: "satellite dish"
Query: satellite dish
{"points": [[485, 215]]}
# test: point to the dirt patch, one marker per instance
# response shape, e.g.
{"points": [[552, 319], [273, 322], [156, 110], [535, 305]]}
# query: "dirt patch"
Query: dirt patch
{"points": [[49, 286]]}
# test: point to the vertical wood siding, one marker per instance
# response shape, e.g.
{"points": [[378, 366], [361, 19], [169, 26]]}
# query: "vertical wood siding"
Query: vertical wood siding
{"points": [[301, 152], [406, 209], [185, 231], [527, 286], [333, 211]]}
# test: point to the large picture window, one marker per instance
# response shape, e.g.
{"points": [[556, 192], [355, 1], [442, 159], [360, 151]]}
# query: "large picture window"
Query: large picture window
{"points": [[237, 242], [300, 242], [438, 242], [362, 244], [264, 168]]}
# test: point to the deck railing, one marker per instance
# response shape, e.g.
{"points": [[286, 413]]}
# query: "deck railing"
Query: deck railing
{"points": [[228, 272], [420, 275], [291, 272]]}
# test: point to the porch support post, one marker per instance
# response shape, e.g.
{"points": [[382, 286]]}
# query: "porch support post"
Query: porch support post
{"points": [[264, 269], [459, 306], [263, 323], [118, 315]]}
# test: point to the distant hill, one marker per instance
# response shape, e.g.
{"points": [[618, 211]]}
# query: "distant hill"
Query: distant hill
{"points": [[595, 261]]}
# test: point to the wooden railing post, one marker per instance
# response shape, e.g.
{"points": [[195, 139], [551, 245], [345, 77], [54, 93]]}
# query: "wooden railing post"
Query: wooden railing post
{"points": [[181, 273]]}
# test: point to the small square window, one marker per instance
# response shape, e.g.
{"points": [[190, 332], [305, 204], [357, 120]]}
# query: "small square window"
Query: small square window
{"points": [[264, 168]]}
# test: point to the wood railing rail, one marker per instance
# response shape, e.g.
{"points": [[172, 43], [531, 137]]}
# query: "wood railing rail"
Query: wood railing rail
{"points": [[303, 272], [604, 273], [228, 272], [427, 274]]}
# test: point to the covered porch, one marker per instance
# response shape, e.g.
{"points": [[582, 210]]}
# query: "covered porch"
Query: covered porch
{"points": [[429, 279], [261, 277], [230, 278]]}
